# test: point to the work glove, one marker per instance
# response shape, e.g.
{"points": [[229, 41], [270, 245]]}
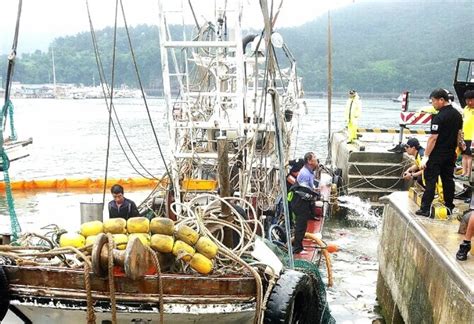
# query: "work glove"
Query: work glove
{"points": [[424, 161]]}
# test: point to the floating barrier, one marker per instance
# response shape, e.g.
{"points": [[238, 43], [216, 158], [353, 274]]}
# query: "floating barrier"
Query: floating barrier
{"points": [[86, 183]]}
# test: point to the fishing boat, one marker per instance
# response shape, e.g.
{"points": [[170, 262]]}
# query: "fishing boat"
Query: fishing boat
{"points": [[398, 99], [232, 107]]}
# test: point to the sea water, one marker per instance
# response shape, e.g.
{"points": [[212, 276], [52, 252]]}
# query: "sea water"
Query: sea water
{"points": [[70, 141]]}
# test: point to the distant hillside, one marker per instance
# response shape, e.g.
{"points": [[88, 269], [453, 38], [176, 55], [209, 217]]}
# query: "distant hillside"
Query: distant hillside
{"points": [[377, 47], [387, 47]]}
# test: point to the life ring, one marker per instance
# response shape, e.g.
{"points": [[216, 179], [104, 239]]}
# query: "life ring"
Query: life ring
{"points": [[291, 300], [4, 294]]}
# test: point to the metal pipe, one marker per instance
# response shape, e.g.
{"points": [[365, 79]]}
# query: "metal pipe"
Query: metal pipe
{"points": [[281, 159]]}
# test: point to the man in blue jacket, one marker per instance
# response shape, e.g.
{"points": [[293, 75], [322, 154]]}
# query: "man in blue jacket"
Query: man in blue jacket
{"points": [[303, 197]]}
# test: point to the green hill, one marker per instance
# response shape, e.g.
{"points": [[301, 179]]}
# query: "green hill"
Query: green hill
{"points": [[385, 47], [377, 47]]}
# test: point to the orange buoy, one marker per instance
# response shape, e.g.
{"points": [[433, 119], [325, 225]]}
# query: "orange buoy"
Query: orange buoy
{"points": [[332, 248]]}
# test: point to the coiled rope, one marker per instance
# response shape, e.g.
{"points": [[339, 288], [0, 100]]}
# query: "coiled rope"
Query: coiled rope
{"points": [[8, 110]]}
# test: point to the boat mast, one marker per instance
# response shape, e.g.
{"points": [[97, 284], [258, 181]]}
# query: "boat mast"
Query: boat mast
{"points": [[54, 73], [329, 85], [278, 126]]}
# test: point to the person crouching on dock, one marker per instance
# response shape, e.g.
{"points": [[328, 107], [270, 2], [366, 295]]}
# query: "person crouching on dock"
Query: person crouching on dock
{"points": [[413, 148]]}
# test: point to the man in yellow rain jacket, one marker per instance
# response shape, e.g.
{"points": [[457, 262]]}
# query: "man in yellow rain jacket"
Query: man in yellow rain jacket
{"points": [[352, 113]]}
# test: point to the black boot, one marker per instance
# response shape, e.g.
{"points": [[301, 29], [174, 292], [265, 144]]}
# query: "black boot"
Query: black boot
{"points": [[464, 249]]}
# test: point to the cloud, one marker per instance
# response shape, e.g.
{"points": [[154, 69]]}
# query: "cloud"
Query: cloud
{"points": [[42, 21]]}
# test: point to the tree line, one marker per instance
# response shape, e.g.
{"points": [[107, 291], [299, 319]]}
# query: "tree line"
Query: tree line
{"points": [[377, 47]]}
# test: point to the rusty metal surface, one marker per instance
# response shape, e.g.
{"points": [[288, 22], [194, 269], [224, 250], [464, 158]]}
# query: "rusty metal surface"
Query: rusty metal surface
{"points": [[311, 250]]}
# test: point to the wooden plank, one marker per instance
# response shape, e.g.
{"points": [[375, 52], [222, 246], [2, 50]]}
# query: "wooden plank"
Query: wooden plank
{"points": [[173, 284]]}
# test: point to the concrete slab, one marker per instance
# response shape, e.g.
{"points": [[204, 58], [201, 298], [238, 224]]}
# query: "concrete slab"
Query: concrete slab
{"points": [[418, 269]]}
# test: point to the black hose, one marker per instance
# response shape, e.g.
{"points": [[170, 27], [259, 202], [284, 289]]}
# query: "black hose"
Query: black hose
{"points": [[247, 39]]}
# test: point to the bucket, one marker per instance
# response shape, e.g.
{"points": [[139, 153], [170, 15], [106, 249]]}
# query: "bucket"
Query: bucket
{"points": [[91, 212]]}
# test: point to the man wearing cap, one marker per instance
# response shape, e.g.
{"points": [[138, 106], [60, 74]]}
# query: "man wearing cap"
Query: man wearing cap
{"points": [[468, 132], [413, 148], [439, 158], [352, 113]]}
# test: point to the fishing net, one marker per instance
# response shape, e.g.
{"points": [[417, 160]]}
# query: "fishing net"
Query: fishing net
{"points": [[321, 305], [321, 302]]}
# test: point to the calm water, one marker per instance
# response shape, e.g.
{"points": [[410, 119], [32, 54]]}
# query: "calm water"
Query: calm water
{"points": [[69, 141]]}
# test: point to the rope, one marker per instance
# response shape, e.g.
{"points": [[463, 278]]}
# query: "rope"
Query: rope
{"points": [[112, 84], [324, 252], [113, 302], [110, 106], [143, 92], [14, 223], [372, 184], [382, 172], [8, 108], [160, 283], [90, 302], [11, 59]]}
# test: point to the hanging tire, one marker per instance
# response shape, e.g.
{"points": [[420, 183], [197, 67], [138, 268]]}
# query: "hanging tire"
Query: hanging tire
{"points": [[4, 294], [291, 300]]}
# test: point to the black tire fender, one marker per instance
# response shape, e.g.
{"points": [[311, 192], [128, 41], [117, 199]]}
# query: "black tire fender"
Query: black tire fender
{"points": [[4, 294], [291, 299], [277, 233]]}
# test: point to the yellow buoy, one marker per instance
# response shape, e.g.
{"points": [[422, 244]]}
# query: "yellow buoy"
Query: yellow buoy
{"points": [[72, 239], [162, 225], [187, 234], [115, 226], [440, 211], [138, 225], [143, 237], [201, 264], [162, 243], [92, 228], [183, 250], [120, 240], [206, 247], [90, 239]]}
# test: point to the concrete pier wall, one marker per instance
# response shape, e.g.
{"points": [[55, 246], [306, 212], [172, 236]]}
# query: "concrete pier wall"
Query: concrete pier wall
{"points": [[419, 279], [369, 170]]}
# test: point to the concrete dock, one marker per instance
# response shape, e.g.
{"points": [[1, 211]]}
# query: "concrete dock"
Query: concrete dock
{"points": [[419, 279], [369, 170]]}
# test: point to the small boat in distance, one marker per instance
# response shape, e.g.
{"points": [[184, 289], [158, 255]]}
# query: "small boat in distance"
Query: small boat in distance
{"points": [[398, 99]]}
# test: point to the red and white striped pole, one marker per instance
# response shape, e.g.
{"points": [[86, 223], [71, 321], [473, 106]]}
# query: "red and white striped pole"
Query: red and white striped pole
{"points": [[405, 100]]}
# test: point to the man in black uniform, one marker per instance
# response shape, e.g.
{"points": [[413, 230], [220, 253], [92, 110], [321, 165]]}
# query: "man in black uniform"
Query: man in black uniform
{"points": [[439, 158]]}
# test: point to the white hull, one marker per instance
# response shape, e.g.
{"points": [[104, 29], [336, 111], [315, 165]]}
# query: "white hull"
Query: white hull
{"points": [[174, 313]]}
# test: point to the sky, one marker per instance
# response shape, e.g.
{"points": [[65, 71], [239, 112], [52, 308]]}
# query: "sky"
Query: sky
{"points": [[43, 20]]}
